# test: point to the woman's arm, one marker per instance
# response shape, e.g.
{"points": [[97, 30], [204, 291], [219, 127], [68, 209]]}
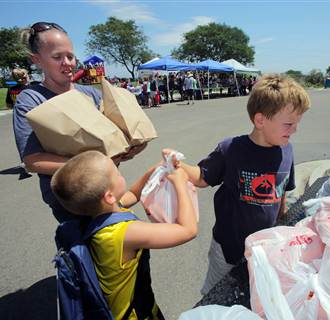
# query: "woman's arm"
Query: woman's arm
{"points": [[43, 162]]}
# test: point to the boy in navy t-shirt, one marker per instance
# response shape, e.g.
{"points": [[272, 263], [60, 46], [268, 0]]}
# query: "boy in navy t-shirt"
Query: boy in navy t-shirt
{"points": [[254, 171]]}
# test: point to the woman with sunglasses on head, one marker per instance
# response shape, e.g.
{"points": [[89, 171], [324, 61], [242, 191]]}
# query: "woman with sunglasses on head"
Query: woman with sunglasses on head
{"points": [[50, 48]]}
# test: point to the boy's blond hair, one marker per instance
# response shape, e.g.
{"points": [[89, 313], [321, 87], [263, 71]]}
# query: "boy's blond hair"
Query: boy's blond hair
{"points": [[274, 92], [82, 182]]}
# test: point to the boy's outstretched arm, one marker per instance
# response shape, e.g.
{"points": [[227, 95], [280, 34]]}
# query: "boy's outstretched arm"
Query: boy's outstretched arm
{"points": [[283, 208], [132, 196], [194, 172], [165, 235]]}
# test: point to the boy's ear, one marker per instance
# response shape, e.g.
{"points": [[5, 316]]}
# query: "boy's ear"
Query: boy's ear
{"points": [[109, 198], [259, 120]]}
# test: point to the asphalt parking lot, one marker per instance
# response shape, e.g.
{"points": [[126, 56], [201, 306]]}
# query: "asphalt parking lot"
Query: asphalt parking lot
{"points": [[27, 283]]}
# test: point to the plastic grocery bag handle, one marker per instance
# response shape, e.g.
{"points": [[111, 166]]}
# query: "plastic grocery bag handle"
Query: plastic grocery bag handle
{"points": [[161, 171], [268, 287], [154, 180]]}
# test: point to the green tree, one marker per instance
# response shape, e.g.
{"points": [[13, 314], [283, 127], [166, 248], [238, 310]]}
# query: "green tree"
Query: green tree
{"points": [[315, 78], [120, 42], [296, 75], [12, 51], [215, 41]]}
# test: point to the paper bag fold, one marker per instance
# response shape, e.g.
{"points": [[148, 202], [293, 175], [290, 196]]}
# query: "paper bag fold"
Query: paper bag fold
{"points": [[121, 107], [69, 124]]}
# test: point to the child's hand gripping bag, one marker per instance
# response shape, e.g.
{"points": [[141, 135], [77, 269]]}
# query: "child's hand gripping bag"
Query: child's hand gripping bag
{"points": [[159, 196]]}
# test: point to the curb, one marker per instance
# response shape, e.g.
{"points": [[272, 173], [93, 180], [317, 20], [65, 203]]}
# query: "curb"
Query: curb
{"points": [[5, 112]]}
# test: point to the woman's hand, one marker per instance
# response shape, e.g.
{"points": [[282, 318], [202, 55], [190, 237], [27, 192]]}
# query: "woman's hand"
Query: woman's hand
{"points": [[130, 154]]}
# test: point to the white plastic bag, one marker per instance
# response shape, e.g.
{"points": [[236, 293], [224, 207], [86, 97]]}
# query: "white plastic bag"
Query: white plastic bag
{"points": [[216, 312], [309, 299], [268, 287], [159, 196], [319, 210], [304, 283], [285, 247]]}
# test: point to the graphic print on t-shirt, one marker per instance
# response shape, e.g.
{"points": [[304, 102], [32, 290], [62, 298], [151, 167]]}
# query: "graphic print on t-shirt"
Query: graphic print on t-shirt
{"points": [[256, 188]]}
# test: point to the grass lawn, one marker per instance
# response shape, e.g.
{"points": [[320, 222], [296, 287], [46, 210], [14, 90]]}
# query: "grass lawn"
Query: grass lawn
{"points": [[3, 93]]}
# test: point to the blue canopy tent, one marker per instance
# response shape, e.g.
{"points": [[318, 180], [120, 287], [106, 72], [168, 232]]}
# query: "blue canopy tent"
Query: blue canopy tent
{"points": [[93, 60], [212, 66], [165, 63]]}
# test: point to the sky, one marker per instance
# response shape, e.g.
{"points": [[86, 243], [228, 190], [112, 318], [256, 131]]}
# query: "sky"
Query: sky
{"points": [[285, 34]]}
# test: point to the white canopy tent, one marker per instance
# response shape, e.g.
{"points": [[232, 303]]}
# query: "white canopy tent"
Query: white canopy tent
{"points": [[240, 68]]}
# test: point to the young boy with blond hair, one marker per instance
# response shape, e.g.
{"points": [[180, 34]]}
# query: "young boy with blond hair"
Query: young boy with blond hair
{"points": [[90, 184], [254, 171]]}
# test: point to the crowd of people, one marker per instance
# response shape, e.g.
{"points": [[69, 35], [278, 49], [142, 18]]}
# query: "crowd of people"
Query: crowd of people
{"points": [[154, 90], [240, 165]]}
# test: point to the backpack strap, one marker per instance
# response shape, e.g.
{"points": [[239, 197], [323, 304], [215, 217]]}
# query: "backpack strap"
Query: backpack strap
{"points": [[107, 219], [103, 221]]}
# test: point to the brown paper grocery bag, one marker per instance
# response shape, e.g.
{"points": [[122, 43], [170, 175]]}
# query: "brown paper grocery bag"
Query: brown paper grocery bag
{"points": [[121, 107], [70, 123]]}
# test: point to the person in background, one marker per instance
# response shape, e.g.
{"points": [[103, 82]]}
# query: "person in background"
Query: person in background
{"points": [[171, 86], [189, 86], [254, 172], [180, 86], [153, 91], [138, 92], [22, 79]]}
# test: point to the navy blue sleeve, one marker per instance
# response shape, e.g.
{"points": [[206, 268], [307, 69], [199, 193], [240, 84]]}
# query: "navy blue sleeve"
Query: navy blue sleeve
{"points": [[213, 167], [26, 140], [291, 183]]}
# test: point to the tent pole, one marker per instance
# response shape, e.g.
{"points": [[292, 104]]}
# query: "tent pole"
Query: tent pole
{"points": [[208, 83], [236, 83], [168, 87], [199, 83]]}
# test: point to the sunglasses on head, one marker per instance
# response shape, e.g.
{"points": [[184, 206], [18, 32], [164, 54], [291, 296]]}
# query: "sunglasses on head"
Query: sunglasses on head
{"points": [[44, 26]]}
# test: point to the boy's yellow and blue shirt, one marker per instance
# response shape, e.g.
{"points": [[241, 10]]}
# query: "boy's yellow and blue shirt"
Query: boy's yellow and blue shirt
{"points": [[117, 279]]}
